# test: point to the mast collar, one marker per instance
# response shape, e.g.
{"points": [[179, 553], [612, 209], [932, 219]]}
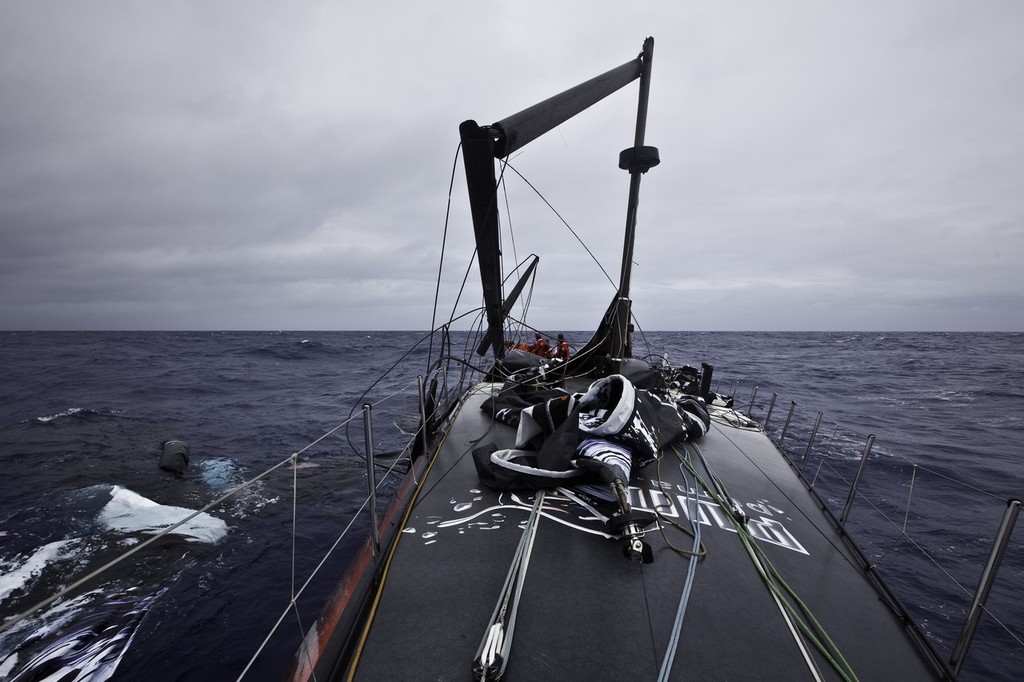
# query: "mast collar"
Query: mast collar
{"points": [[639, 159]]}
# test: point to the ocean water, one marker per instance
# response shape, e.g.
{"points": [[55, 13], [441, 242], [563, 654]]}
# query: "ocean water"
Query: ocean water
{"points": [[83, 415]]}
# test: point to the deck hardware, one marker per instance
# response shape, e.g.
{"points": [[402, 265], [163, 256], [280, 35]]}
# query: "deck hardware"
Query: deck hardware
{"points": [[810, 441], [785, 427], [771, 406], [630, 523], [371, 478], [706, 372], [988, 576], [633, 548], [737, 513], [856, 480], [750, 407]]}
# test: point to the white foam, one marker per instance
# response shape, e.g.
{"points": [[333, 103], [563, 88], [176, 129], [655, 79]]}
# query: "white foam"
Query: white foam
{"points": [[65, 413], [129, 512], [19, 577]]}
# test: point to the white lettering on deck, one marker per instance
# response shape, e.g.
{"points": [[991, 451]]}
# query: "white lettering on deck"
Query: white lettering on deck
{"points": [[668, 502]]}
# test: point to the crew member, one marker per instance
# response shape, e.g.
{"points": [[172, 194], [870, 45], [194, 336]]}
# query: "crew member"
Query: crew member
{"points": [[541, 347], [561, 348]]}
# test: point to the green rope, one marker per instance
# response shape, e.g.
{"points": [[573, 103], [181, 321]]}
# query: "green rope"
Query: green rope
{"points": [[808, 624]]}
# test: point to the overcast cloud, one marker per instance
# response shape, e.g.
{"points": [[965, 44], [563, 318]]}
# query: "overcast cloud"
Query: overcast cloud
{"points": [[285, 165]]}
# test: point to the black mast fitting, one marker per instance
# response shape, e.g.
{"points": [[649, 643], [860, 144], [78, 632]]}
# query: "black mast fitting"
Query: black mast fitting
{"points": [[639, 159]]}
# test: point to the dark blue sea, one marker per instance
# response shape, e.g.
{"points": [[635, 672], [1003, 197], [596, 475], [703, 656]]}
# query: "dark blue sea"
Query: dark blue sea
{"points": [[83, 417]]}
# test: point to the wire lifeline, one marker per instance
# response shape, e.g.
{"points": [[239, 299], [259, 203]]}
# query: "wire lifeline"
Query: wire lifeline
{"points": [[293, 603], [902, 530]]}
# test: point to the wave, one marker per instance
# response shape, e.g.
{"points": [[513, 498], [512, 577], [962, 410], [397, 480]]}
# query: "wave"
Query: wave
{"points": [[82, 639], [71, 411], [301, 349], [17, 577], [84, 636]]}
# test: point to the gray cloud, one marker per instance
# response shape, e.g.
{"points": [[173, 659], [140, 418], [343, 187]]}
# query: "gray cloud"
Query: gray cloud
{"points": [[255, 165]]}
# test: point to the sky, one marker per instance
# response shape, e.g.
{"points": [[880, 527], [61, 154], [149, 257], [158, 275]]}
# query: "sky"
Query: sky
{"points": [[268, 165]]}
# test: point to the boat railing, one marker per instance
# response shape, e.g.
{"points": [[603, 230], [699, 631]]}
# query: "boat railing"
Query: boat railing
{"points": [[916, 525]]}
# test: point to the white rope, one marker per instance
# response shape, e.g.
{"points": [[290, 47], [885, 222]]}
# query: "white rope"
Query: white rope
{"points": [[498, 634], [811, 666]]}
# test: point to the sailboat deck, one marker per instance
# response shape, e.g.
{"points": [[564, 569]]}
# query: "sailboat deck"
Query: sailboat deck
{"points": [[589, 613]]}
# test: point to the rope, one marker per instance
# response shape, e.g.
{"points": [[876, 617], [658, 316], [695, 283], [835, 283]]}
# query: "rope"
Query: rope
{"points": [[693, 513], [444, 244], [497, 641], [664, 520], [795, 610], [564, 222]]}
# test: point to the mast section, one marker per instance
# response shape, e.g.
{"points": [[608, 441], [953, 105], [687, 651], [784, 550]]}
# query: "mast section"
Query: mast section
{"points": [[482, 144]]}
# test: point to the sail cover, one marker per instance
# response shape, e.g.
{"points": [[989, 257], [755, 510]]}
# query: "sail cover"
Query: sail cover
{"points": [[611, 429]]}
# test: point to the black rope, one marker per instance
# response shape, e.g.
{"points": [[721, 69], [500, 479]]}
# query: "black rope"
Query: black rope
{"points": [[444, 245], [564, 222]]}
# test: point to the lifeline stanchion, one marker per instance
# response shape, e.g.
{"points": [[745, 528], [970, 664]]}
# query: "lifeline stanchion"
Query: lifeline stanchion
{"points": [[810, 441], [988, 576], [371, 479], [785, 427], [771, 406], [750, 406], [856, 480]]}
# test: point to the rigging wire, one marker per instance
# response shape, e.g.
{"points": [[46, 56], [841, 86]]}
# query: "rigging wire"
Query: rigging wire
{"points": [[508, 213], [444, 244], [564, 222]]}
